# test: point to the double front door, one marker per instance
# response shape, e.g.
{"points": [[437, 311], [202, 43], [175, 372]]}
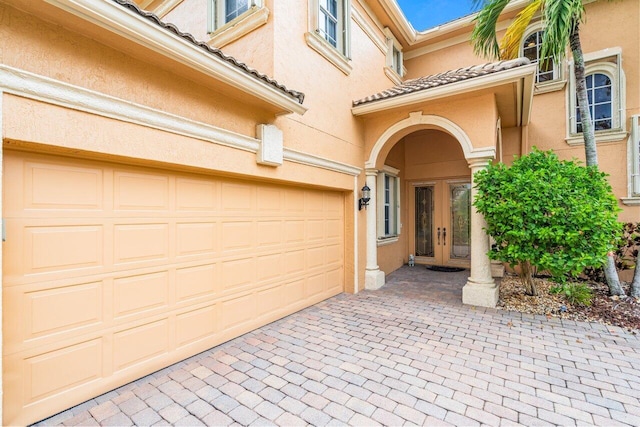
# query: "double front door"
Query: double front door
{"points": [[441, 222]]}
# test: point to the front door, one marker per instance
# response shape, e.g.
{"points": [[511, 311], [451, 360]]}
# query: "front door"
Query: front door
{"points": [[441, 222]]}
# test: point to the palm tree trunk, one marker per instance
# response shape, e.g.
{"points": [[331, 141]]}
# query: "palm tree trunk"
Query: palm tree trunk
{"points": [[588, 133], [583, 102]]}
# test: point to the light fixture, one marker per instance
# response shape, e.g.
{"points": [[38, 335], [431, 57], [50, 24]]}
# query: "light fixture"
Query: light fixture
{"points": [[366, 196]]}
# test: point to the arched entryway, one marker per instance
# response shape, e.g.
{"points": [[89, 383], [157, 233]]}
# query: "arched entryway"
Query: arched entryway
{"points": [[429, 161]]}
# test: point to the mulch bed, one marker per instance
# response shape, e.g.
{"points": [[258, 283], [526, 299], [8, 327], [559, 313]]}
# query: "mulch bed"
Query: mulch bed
{"points": [[623, 312]]}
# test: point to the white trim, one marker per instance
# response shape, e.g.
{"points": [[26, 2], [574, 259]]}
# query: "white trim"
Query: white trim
{"points": [[118, 20], [630, 201], [417, 118], [359, 19], [33, 86], [633, 148], [166, 7], [393, 46], [558, 71], [392, 75], [253, 18], [320, 45], [356, 233], [394, 173], [546, 87], [384, 241], [596, 62], [465, 86]]}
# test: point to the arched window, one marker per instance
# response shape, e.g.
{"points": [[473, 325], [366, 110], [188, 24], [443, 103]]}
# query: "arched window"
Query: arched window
{"points": [[600, 96], [531, 47]]}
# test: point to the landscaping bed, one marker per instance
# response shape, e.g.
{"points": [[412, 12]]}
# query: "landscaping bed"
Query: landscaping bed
{"points": [[623, 312]]}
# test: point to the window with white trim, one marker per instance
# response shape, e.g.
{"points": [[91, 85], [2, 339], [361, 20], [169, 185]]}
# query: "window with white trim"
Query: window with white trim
{"points": [[531, 49], [329, 29], [605, 92], [221, 12], [394, 67], [388, 200], [634, 155]]}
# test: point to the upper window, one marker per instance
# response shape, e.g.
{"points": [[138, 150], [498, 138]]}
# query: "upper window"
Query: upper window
{"points": [[547, 70], [222, 12], [599, 93], [329, 31], [605, 94], [388, 200], [394, 68], [329, 21]]}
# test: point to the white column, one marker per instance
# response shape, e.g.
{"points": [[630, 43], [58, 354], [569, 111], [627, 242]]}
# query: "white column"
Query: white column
{"points": [[373, 278], [480, 289]]}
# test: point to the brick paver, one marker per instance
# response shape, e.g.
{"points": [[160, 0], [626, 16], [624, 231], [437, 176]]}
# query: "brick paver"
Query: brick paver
{"points": [[409, 353]]}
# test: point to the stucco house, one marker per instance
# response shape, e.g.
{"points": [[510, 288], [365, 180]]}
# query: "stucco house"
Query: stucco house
{"points": [[176, 173]]}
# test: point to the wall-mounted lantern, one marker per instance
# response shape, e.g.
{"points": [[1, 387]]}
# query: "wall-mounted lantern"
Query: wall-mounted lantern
{"points": [[366, 196]]}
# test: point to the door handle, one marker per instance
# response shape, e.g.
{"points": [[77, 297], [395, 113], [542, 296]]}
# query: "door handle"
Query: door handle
{"points": [[444, 236], [438, 235]]}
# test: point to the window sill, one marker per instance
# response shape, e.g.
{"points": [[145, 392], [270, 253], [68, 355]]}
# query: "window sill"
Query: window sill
{"points": [[383, 241], [547, 87], [631, 201], [320, 45], [232, 31], [392, 75], [609, 136]]}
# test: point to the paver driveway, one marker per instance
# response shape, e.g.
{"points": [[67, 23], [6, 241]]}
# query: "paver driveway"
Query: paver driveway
{"points": [[410, 353]]}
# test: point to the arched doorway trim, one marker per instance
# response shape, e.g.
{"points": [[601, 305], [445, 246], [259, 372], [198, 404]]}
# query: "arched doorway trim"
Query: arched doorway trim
{"points": [[419, 119]]}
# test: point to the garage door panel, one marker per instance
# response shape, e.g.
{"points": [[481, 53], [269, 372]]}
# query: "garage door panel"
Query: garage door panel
{"points": [[63, 248], [137, 345], [196, 195], [237, 235], [140, 242], [56, 371], [196, 325], [141, 268], [196, 238], [136, 191], [136, 294], [45, 187], [237, 197], [196, 282], [237, 274]]}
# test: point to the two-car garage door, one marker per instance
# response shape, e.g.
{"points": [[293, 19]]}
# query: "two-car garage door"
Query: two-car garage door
{"points": [[111, 271]]}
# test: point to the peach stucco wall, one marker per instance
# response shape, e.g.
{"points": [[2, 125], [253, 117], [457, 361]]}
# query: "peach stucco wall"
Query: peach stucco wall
{"points": [[547, 129]]}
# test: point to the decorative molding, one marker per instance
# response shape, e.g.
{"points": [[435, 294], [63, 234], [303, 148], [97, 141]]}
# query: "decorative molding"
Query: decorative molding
{"points": [[605, 137], [118, 20], [320, 45], [40, 88], [392, 75], [166, 7], [540, 88], [417, 118], [237, 29], [630, 201], [368, 30], [384, 241]]}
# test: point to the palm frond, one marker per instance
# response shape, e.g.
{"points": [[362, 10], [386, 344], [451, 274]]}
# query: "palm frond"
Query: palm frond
{"points": [[561, 17], [483, 36], [510, 43]]}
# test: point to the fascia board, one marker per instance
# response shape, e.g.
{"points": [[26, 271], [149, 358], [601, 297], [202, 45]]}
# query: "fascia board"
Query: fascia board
{"points": [[115, 18], [474, 84]]}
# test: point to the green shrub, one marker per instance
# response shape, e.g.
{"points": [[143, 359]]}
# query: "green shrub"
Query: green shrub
{"points": [[575, 293], [548, 214]]}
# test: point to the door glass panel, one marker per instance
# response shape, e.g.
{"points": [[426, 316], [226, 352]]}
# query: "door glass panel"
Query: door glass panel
{"points": [[460, 220], [424, 221]]}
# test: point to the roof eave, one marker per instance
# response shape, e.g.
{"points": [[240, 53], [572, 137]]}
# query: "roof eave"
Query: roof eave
{"points": [[523, 74], [114, 18]]}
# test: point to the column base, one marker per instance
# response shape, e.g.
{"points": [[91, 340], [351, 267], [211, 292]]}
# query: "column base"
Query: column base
{"points": [[373, 279], [480, 294]]}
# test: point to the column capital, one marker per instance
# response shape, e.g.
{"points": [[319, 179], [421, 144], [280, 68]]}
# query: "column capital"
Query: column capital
{"points": [[479, 163], [371, 172]]}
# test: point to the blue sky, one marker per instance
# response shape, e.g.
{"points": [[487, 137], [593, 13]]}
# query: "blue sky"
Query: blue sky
{"points": [[424, 14]]}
